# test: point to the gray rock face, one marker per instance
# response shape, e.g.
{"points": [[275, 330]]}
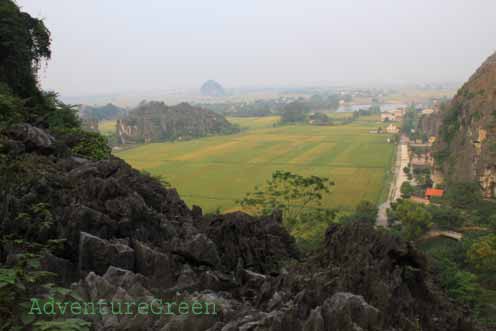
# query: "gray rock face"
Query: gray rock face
{"points": [[155, 121], [346, 311], [96, 254], [200, 249], [34, 139], [161, 268]]}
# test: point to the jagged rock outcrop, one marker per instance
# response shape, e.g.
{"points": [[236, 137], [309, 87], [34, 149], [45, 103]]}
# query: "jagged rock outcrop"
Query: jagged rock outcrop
{"points": [[99, 113], [211, 88], [129, 239], [155, 121], [466, 148]]}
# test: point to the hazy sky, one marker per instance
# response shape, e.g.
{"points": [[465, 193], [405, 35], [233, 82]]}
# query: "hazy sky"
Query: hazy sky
{"points": [[107, 46]]}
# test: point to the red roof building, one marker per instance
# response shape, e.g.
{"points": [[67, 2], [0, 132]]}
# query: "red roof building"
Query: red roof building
{"points": [[433, 192]]}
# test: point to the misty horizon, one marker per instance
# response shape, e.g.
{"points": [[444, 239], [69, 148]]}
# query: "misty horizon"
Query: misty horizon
{"points": [[131, 47]]}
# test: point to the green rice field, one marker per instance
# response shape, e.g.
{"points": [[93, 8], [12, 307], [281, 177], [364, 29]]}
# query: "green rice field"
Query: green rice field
{"points": [[214, 172]]}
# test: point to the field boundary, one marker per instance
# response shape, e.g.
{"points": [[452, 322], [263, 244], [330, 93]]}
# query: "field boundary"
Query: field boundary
{"points": [[276, 164]]}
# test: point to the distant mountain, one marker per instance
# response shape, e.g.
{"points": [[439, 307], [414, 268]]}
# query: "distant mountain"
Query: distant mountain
{"points": [[212, 89], [155, 121], [466, 146], [107, 112]]}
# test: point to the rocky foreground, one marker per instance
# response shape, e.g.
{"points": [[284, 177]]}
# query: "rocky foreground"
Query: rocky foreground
{"points": [[131, 239]]}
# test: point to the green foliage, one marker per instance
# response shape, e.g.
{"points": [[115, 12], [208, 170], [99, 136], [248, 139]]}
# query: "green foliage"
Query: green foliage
{"points": [[482, 255], [460, 285], [294, 112], [289, 193], [451, 122], [57, 114], [410, 120], [36, 223], [11, 107], [446, 218], [463, 195], [365, 211], [24, 281], [311, 226], [406, 190], [159, 178], [492, 222], [91, 145], [71, 324], [24, 43], [414, 218], [423, 177]]}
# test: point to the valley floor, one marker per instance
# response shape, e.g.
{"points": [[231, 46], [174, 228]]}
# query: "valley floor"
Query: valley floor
{"points": [[215, 172]]}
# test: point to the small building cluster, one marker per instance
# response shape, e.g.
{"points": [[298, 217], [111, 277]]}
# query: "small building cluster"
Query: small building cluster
{"points": [[393, 116]]}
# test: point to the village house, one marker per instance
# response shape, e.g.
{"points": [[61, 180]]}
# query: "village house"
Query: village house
{"points": [[427, 111], [433, 192], [393, 115], [422, 161], [387, 117], [398, 114], [391, 128]]}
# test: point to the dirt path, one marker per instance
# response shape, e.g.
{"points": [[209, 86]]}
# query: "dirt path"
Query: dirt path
{"points": [[399, 177], [439, 233]]}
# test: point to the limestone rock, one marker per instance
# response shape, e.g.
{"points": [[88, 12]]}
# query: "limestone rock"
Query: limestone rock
{"points": [[96, 254]]}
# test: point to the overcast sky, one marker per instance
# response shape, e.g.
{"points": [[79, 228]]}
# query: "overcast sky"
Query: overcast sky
{"points": [[112, 46]]}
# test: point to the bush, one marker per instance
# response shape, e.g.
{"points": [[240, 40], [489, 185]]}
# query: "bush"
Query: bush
{"points": [[414, 218], [24, 281], [11, 108], [445, 217], [85, 144], [464, 195], [406, 190], [365, 211]]}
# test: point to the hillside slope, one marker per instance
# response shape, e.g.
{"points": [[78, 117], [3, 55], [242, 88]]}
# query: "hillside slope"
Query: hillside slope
{"points": [[466, 147]]}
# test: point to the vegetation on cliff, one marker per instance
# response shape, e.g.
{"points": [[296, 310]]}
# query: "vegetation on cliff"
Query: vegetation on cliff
{"points": [[155, 122]]}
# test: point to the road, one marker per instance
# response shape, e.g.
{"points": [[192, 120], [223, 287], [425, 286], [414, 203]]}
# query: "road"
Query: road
{"points": [[399, 177]]}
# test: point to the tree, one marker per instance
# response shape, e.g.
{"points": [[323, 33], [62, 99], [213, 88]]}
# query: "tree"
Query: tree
{"points": [[464, 195], [459, 284], [492, 222], [294, 112], [406, 190], [446, 217], [290, 193], [415, 219], [24, 43], [423, 177], [482, 255], [365, 211]]}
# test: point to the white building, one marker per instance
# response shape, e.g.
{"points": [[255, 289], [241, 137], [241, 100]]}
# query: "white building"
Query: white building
{"points": [[391, 128]]}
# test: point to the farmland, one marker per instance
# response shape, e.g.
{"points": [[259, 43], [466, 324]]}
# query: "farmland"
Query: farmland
{"points": [[214, 172]]}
